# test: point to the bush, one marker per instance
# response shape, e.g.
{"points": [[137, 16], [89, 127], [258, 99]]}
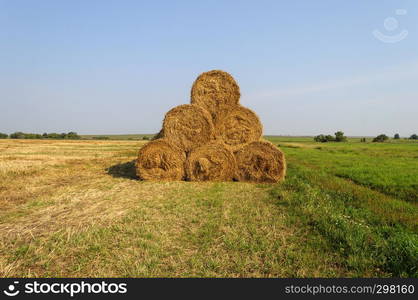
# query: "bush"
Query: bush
{"points": [[17, 135], [22, 135], [145, 138], [413, 137], [53, 135], [396, 136], [339, 137], [3, 136], [363, 140], [73, 136], [381, 138], [101, 138]]}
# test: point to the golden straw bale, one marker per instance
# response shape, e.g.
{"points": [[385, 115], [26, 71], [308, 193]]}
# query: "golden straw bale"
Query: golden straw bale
{"points": [[211, 162], [239, 127], [159, 160], [216, 91], [260, 162], [188, 126]]}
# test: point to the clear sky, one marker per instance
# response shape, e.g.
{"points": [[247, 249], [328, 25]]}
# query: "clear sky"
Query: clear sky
{"points": [[306, 67]]}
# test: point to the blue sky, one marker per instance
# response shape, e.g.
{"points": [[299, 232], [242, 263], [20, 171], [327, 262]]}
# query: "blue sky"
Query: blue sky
{"points": [[306, 67]]}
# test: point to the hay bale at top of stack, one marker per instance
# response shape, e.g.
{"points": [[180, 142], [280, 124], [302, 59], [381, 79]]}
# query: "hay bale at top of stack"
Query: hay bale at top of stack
{"points": [[213, 162], [239, 127], [188, 126], [216, 91], [260, 162], [159, 160]]}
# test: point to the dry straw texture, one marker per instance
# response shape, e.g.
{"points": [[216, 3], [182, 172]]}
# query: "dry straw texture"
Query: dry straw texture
{"points": [[188, 126], [239, 127], [216, 91], [159, 160], [211, 162], [260, 162]]}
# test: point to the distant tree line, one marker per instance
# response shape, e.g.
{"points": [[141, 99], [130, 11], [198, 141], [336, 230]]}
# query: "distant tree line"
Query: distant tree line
{"points": [[383, 138], [339, 137], [57, 136]]}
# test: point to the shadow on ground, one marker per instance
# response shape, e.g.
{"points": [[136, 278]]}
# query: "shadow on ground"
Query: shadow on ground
{"points": [[123, 170]]}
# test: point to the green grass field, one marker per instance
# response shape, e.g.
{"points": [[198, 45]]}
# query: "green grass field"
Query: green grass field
{"points": [[75, 208]]}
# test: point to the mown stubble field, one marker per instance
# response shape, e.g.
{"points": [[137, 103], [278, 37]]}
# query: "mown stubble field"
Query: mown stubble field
{"points": [[75, 209]]}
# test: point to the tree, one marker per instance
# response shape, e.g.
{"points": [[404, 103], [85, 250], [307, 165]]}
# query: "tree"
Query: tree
{"points": [[53, 135], [320, 138], [329, 138], [381, 138], [396, 136], [3, 136], [17, 135], [73, 135], [339, 137], [413, 137], [324, 138], [363, 140]]}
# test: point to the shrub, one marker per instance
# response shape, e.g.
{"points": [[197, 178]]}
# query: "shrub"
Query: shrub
{"points": [[22, 135], [363, 140], [53, 135], [381, 138], [73, 136], [396, 136], [339, 137], [319, 138], [324, 138], [3, 136], [329, 138], [145, 138], [413, 137], [17, 135]]}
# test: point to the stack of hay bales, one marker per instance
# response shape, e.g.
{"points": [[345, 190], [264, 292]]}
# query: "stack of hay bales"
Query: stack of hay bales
{"points": [[212, 139]]}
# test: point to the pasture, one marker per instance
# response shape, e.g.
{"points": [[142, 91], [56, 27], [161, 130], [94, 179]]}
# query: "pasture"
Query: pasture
{"points": [[76, 209]]}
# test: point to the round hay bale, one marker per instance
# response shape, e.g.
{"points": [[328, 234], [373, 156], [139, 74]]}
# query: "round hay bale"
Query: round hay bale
{"points": [[159, 160], [260, 162], [239, 127], [216, 91], [211, 162], [188, 126]]}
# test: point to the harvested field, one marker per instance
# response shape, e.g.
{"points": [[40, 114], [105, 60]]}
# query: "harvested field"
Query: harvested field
{"points": [[80, 212]]}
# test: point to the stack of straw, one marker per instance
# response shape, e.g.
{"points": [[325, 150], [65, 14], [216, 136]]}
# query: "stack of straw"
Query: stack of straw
{"points": [[212, 139]]}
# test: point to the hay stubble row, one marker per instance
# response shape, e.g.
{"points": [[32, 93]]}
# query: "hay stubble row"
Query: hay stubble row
{"points": [[212, 139]]}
